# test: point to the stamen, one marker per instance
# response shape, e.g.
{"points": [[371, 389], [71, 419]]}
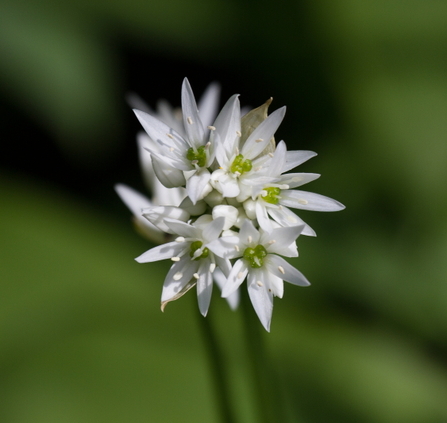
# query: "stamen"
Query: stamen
{"points": [[178, 276], [240, 275], [189, 120], [196, 275], [175, 258], [272, 241], [194, 162], [212, 267], [259, 140], [264, 193], [302, 201], [207, 145], [180, 239], [170, 136], [171, 149], [249, 239], [212, 128], [281, 269], [239, 133], [271, 154], [238, 173], [259, 283], [237, 151], [236, 247]]}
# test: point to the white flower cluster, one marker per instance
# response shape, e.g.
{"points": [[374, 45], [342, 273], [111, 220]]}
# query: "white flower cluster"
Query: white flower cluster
{"points": [[222, 199]]}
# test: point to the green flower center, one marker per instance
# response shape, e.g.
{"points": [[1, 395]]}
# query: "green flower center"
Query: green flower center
{"points": [[198, 155], [255, 256], [195, 246], [272, 195], [241, 165]]}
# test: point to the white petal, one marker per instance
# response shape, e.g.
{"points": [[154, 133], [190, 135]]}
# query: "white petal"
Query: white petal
{"points": [[295, 158], [157, 215], [276, 164], [161, 252], [133, 199], [191, 118], [196, 185], [309, 201], [264, 131], [235, 278], [283, 237], [158, 131], [261, 214], [204, 286], [249, 234], [227, 247], [193, 209], [224, 265], [209, 103], [169, 176], [284, 270], [261, 299], [294, 180], [228, 124], [220, 279], [213, 230], [181, 228], [286, 217], [178, 276]]}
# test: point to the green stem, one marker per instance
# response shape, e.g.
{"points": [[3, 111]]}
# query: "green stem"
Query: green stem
{"points": [[265, 388], [217, 362]]}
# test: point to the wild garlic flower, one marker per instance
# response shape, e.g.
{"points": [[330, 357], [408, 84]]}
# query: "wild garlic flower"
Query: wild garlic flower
{"points": [[259, 260], [223, 197]]}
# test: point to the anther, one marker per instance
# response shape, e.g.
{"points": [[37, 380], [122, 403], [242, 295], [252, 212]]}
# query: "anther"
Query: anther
{"points": [[249, 239], [180, 239], [272, 241], [212, 267], [240, 275], [171, 149], [170, 136], [259, 140], [264, 193], [237, 151], [194, 162], [238, 173], [196, 275], [175, 258], [271, 154], [259, 283], [302, 201], [189, 120], [212, 128], [258, 168], [236, 247], [178, 276], [281, 269], [239, 133], [207, 145]]}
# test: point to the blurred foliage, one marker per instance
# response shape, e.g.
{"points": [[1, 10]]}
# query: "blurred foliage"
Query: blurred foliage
{"points": [[365, 83]]}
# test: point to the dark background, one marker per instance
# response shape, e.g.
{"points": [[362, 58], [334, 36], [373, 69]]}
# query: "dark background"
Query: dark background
{"points": [[365, 84]]}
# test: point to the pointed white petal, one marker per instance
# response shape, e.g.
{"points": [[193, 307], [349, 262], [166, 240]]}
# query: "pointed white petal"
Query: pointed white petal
{"points": [[284, 270], [261, 214], [280, 240], [196, 185], [191, 118], [161, 252], [157, 215], [276, 164], [227, 247], [235, 278], [249, 234], [169, 176], [265, 131], [158, 131], [295, 158], [204, 287], [309, 201], [209, 103], [178, 277], [294, 180], [213, 230], [220, 279], [224, 265], [261, 298], [286, 217], [181, 228], [193, 209], [228, 124], [132, 199]]}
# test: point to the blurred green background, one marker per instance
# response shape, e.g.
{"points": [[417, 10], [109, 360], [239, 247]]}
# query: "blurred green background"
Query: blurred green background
{"points": [[82, 338]]}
